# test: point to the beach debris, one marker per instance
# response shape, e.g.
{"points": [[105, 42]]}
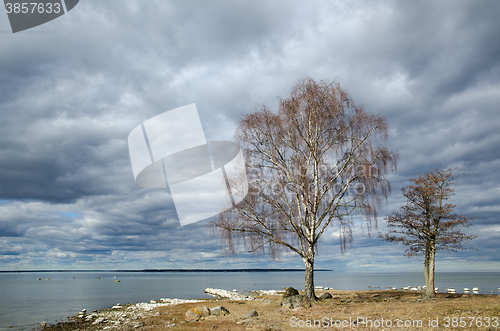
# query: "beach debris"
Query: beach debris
{"points": [[251, 314], [297, 309], [228, 294], [324, 296], [195, 314], [43, 325]]}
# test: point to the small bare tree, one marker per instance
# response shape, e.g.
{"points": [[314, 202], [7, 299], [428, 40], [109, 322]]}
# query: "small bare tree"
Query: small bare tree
{"points": [[426, 223], [316, 162]]}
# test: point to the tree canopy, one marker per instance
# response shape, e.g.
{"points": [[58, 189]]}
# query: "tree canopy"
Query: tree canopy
{"points": [[315, 162]]}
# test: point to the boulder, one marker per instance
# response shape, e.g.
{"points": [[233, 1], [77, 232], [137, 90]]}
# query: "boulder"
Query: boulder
{"points": [[290, 292], [325, 295], [251, 314], [195, 314], [219, 310], [293, 301], [191, 315]]}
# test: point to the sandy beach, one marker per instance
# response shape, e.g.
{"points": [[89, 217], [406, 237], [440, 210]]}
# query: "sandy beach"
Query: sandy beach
{"points": [[345, 310]]}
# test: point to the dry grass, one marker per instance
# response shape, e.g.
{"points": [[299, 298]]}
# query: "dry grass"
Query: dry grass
{"points": [[372, 305]]}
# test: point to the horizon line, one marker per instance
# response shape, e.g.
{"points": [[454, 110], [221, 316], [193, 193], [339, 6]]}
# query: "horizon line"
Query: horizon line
{"points": [[166, 270]]}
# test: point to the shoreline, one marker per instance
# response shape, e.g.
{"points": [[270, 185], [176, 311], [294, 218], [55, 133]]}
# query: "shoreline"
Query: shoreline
{"points": [[129, 315], [170, 313]]}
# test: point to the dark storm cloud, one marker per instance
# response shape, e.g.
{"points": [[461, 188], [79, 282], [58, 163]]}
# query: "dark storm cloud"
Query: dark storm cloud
{"points": [[69, 99]]}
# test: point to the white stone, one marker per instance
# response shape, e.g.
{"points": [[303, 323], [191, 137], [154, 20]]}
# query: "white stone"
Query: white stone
{"points": [[228, 294]]}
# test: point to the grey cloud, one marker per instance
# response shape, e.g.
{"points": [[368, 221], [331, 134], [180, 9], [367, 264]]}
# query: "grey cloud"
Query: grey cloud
{"points": [[69, 99]]}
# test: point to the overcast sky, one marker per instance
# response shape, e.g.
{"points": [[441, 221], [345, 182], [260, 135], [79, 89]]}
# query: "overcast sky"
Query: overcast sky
{"points": [[71, 90]]}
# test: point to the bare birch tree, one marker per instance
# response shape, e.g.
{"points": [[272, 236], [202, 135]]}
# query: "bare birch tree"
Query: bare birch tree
{"points": [[316, 162], [426, 223]]}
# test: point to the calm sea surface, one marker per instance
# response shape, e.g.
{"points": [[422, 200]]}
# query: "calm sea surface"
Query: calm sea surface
{"points": [[26, 301]]}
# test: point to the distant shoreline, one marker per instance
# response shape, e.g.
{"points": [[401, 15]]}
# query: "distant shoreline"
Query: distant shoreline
{"points": [[168, 270]]}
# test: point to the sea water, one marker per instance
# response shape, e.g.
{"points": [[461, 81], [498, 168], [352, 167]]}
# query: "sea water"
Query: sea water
{"points": [[26, 301]]}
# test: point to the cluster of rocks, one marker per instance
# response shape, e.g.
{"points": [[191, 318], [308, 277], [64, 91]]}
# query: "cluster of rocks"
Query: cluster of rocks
{"points": [[199, 313], [293, 300], [120, 317], [195, 314], [116, 318], [228, 294]]}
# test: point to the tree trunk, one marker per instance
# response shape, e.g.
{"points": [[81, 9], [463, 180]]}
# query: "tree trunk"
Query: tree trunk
{"points": [[429, 270], [426, 270], [309, 276], [430, 286]]}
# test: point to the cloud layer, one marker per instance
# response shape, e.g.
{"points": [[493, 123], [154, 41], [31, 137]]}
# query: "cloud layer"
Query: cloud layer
{"points": [[71, 91]]}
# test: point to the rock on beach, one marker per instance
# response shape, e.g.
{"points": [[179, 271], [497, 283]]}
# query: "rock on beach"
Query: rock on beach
{"points": [[195, 314], [293, 301], [324, 296], [219, 310]]}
